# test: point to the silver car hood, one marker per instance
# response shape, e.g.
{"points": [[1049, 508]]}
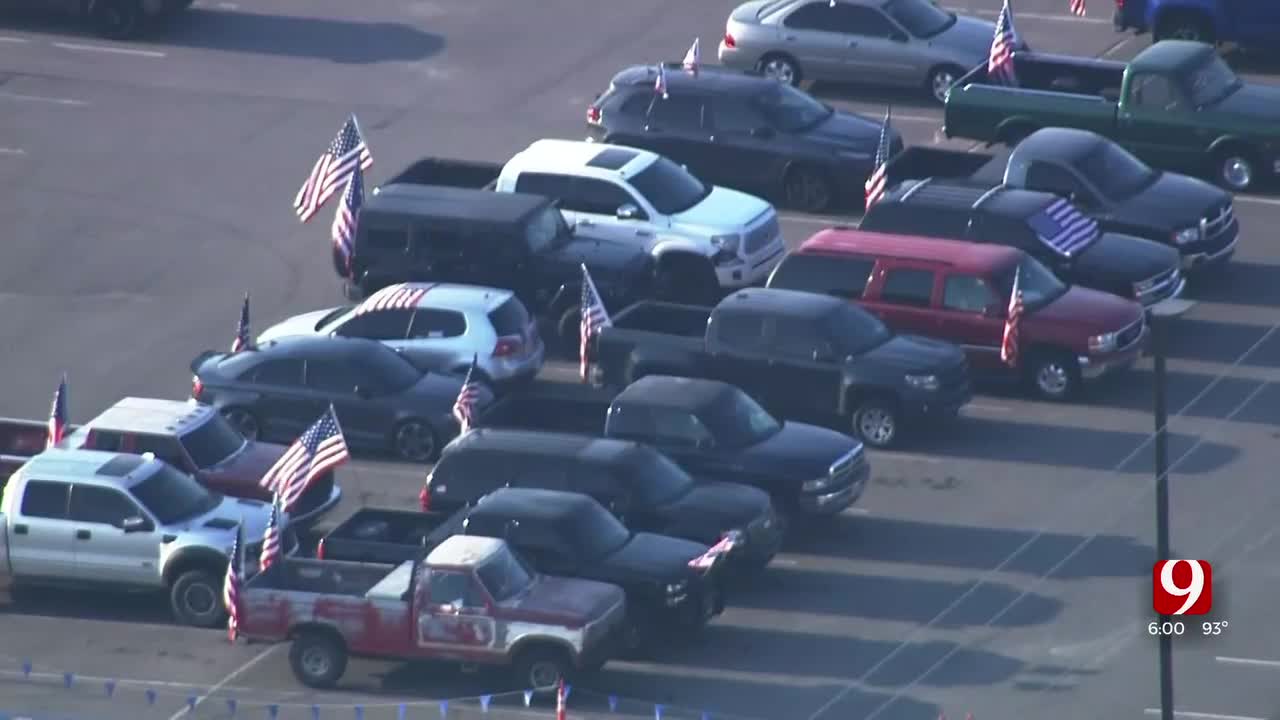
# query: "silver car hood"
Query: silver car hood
{"points": [[304, 324]]}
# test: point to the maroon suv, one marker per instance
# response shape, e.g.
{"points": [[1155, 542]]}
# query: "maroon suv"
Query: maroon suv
{"points": [[959, 291]]}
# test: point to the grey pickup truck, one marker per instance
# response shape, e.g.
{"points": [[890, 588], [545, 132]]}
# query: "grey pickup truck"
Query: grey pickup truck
{"points": [[83, 518]]}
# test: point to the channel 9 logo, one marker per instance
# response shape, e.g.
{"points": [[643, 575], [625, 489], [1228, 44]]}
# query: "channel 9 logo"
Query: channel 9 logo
{"points": [[1182, 587]]}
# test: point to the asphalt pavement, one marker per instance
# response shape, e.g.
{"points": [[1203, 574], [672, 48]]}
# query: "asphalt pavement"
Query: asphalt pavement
{"points": [[999, 568]]}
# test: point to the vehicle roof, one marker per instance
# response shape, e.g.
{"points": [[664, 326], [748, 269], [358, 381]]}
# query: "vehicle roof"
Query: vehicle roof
{"points": [[781, 303], [453, 203], [121, 469], [152, 416], [584, 448], [465, 550], [548, 506], [1170, 55], [999, 200], [710, 79], [1062, 144], [587, 158], [455, 296], [310, 345], [964, 256], [673, 392]]}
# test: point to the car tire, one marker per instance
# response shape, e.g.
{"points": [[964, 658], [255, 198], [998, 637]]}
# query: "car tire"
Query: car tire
{"points": [[318, 659], [414, 441], [1053, 376], [1234, 168], [781, 67], [244, 420], [195, 599], [1184, 26], [877, 422], [117, 19], [542, 668], [807, 189], [940, 80]]}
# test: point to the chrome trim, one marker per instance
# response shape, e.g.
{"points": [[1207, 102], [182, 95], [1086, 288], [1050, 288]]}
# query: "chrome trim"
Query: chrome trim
{"points": [[1215, 224], [845, 463], [1154, 288]]}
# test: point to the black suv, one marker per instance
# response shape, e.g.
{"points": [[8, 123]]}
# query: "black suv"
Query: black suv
{"points": [[742, 131], [424, 233], [1047, 227]]}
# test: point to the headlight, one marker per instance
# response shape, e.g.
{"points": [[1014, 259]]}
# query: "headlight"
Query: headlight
{"points": [[726, 243], [1105, 342], [1187, 235], [816, 485], [923, 382], [677, 588]]}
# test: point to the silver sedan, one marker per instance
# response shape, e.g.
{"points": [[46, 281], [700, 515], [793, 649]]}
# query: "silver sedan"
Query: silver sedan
{"points": [[905, 43]]}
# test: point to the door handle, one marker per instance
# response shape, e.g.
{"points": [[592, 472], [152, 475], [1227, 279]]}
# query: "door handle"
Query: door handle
{"points": [[586, 223], [19, 529], [643, 233], [83, 535]]}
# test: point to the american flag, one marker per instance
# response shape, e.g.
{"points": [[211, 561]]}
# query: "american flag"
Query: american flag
{"points": [[1077, 7], [464, 407], [58, 414], [693, 59], [875, 185], [404, 296], [320, 449], [1012, 323], [343, 230], [725, 545], [561, 709], [347, 152], [1000, 61], [231, 586], [593, 317], [1064, 229], [660, 84], [242, 340], [271, 546]]}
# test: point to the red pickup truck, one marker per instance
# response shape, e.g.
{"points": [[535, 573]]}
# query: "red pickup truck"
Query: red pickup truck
{"points": [[471, 600], [959, 292], [191, 437]]}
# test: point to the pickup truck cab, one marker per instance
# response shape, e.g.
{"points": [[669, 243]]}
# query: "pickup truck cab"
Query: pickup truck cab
{"points": [[1245, 23], [643, 488], [712, 429], [193, 438], [801, 355], [470, 600], [82, 519], [959, 292], [1177, 105]]}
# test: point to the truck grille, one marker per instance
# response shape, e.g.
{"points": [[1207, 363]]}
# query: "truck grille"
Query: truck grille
{"points": [[841, 471], [1218, 220], [1158, 287], [314, 496], [759, 237]]}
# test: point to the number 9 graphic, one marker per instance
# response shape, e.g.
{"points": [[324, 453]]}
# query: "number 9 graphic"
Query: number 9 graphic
{"points": [[1192, 597]]}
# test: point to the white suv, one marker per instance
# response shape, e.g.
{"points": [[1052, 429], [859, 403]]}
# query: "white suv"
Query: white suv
{"points": [[622, 194]]}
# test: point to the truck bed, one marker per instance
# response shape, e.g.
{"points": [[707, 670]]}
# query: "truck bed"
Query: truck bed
{"points": [[382, 536], [321, 577], [921, 161], [25, 438], [449, 173], [557, 407]]}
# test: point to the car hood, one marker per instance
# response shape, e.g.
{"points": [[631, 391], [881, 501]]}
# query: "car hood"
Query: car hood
{"points": [[915, 354], [224, 518], [846, 131], [1253, 109], [304, 324], [239, 474], [1172, 202], [722, 211], [1118, 257], [800, 450], [1089, 311], [712, 507], [969, 38], [658, 558], [567, 598]]}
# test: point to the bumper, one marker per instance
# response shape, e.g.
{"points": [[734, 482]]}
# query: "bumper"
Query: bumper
{"points": [[1200, 261], [505, 371], [1164, 292], [735, 58], [835, 501], [1093, 367], [752, 271], [941, 405]]}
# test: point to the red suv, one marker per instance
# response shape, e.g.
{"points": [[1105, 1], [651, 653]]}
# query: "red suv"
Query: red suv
{"points": [[959, 292]]}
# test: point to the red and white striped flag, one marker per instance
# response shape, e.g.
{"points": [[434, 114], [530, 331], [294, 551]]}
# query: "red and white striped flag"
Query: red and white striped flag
{"points": [[343, 230], [593, 318], [320, 449], [1012, 323], [715, 552], [231, 586], [242, 339], [403, 296], [1077, 7], [333, 169], [877, 183], [693, 58], [561, 709], [660, 83], [58, 415], [464, 408], [1000, 60], [272, 548]]}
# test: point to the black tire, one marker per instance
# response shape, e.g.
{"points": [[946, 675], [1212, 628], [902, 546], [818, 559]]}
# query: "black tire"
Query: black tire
{"points": [[686, 278], [244, 420], [807, 189], [876, 421], [1235, 167], [1191, 26], [940, 79], [415, 441], [117, 19], [318, 659], [1053, 376], [542, 667], [781, 67], [195, 599]]}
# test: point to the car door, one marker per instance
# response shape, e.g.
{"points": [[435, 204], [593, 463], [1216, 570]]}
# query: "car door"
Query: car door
{"points": [[42, 536], [283, 408], [334, 381], [1158, 123], [876, 50], [741, 354], [390, 327], [597, 205], [676, 126], [455, 619], [904, 295], [971, 315], [807, 35], [743, 148], [438, 340], [806, 367], [105, 552]]}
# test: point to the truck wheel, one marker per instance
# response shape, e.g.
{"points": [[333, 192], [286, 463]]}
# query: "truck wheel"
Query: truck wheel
{"points": [[807, 189], [539, 668], [117, 19], [1234, 168], [414, 441], [940, 80], [243, 420], [780, 67], [876, 422], [1054, 376], [1184, 26], [196, 599], [318, 659]]}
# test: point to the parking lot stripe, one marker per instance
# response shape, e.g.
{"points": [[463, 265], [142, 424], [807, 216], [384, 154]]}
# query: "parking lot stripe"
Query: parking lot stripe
{"points": [[1202, 715], [71, 102], [1052, 17], [1253, 662], [1257, 199], [12, 151], [224, 682], [122, 682], [11, 39], [77, 47]]}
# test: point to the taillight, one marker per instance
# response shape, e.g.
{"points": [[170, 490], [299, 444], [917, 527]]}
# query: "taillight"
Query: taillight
{"points": [[1119, 4], [197, 387], [320, 550], [729, 42], [508, 346], [593, 115], [424, 498]]}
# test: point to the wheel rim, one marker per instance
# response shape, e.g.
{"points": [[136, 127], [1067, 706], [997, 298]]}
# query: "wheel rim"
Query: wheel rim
{"points": [[315, 662], [1237, 172], [543, 675], [244, 422], [414, 441], [808, 191], [780, 70], [876, 425], [942, 82], [1053, 379], [200, 600]]}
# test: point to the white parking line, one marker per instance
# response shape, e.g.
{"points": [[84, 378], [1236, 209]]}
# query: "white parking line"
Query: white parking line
{"points": [[12, 151], [224, 682], [11, 39], [1257, 199], [983, 407], [827, 220], [1202, 715], [1253, 662], [917, 118], [41, 98], [1045, 16], [109, 49]]}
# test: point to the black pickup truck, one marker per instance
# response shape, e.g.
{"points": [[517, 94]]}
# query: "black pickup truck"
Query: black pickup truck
{"points": [[711, 428], [801, 355], [1100, 178], [672, 585]]}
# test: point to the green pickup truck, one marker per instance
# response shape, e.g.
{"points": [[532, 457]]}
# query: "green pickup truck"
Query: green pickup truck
{"points": [[1176, 105]]}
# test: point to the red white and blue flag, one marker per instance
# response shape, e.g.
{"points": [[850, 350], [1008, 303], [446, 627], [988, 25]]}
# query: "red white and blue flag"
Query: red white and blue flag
{"points": [[231, 585], [660, 83], [272, 547], [1077, 8], [715, 552], [319, 450], [58, 414], [693, 59], [242, 339], [594, 316], [334, 167], [876, 184], [343, 230], [1000, 61], [1012, 323], [464, 408], [402, 296]]}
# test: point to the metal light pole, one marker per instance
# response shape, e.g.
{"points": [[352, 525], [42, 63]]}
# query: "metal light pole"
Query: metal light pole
{"points": [[1162, 314]]}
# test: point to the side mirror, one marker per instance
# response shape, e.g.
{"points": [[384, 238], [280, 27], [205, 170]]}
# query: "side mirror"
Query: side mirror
{"points": [[628, 212], [763, 133], [135, 524]]}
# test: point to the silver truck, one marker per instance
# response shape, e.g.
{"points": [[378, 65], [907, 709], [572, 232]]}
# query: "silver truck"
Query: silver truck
{"points": [[84, 518]]}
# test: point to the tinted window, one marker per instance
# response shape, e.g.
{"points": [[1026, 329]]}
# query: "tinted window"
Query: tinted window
{"points": [[1116, 172], [440, 241], [854, 331], [735, 116], [278, 372], [172, 496], [438, 324], [330, 376], [920, 17], [597, 197], [840, 277], [967, 293], [101, 440], [1051, 178], [510, 318], [677, 113], [45, 499], [668, 187], [637, 105], [799, 341], [504, 576], [789, 109], [1152, 92], [860, 20], [101, 506], [679, 427], [737, 420], [453, 588], [655, 478], [386, 239], [545, 230], [212, 442], [743, 332], [165, 447], [813, 16], [907, 287], [1212, 82], [595, 532], [553, 186], [378, 325], [634, 422]]}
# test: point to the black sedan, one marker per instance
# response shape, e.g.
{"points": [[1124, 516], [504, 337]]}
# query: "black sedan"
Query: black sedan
{"points": [[276, 390], [742, 131]]}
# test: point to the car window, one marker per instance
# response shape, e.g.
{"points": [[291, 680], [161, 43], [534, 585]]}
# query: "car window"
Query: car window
{"points": [[287, 372], [385, 239], [377, 325], [637, 105], [164, 447], [212, 441], [799, 341], [906, 286], [596, 197], [510, 318], [435, 324], [860, 20], [172, 496], [630, 421], [504, 575], [680, 428], [814, 16], [330, 376], [548, 184], [597, 481], [733, 115], [440, 241], [43, 499], [669, 188], [741, 332], [839, 277], [967, 293], [542, 473], [677, 113], [922, 18], [101, 440], [544, 230], [1152, 92], [102, 506], [1051, 178], [453, 588]]}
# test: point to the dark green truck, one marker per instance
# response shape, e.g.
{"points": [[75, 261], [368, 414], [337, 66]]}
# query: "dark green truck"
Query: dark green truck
{"points": [[1176, 105]]}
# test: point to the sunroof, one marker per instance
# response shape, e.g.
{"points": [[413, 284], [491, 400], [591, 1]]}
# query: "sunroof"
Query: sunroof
{"points": [[1063, 228], [612, 158]]}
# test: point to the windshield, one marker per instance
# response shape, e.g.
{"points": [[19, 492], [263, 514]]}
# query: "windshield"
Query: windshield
{"points": [[1039, 286], [1116, 173], [333, 315], [791, 110], [1212, 82], [394, 371], [669, 188], [657, 480], [920, 17], [546, 230], [737, 420], [504, 576], [595, 532], [173, 496], [854, 331], [214, 441]]}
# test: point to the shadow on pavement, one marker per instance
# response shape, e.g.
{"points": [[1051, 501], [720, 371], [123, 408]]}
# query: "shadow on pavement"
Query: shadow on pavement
{"points": [[1187, 396], [1241, 282], [1224, 342], [897, 97]]}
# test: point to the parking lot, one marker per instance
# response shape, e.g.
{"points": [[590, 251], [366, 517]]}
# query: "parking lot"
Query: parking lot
{"points": [[1000, 568]]}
